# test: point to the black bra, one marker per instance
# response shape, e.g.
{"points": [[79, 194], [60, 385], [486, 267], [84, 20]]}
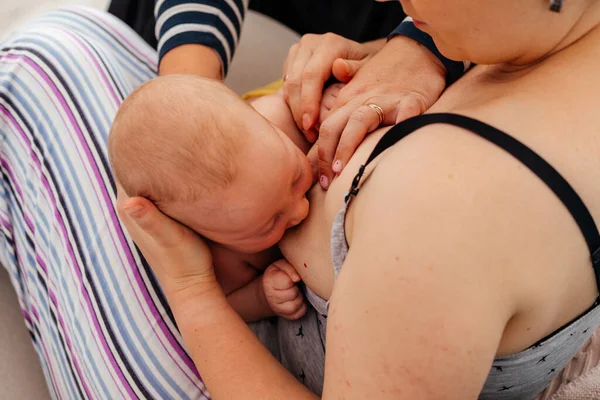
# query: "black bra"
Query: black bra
{"points": [[534, 162]]}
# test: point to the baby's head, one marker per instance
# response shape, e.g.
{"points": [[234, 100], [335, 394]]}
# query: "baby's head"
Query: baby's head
{"points": [[210, 161]]}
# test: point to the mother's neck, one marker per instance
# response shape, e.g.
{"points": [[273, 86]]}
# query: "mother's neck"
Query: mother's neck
{"points": [[585, 31]]}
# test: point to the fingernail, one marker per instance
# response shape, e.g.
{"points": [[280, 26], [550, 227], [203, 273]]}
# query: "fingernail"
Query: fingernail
{"points": [[337, 166], [324, 182], [306, 122], [347, 67], [134, 211]]}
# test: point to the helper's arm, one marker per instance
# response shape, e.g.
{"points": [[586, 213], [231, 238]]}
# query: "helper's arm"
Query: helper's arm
{"points": [[198, 37]]}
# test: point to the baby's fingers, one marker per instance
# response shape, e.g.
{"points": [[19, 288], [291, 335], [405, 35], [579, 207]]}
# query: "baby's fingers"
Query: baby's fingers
{"points": [[289, 269], [281, 296], [290, 308], [329, 100], [275, 279], [297, 314]]}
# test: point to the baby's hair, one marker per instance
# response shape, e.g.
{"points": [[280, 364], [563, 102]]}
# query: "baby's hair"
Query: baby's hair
{"points": [[172, 139]]}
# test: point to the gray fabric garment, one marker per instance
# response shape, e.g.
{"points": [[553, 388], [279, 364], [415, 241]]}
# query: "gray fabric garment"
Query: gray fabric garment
{"points": [[516, 377], [299, 345]]}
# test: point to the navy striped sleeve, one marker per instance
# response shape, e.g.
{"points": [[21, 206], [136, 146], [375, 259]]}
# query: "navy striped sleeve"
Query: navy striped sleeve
{"points": [[213, 23], [454, 69]]}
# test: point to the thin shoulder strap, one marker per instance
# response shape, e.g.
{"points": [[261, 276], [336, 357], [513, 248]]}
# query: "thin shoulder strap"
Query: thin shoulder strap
{"points": [[528, 157]]}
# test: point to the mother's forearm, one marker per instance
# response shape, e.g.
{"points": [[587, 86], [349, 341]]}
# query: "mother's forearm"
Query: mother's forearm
{"points": [[231, 360]]}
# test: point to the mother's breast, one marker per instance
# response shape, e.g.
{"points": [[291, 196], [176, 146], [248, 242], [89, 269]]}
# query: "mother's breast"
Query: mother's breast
{"points": [[306, 246]]}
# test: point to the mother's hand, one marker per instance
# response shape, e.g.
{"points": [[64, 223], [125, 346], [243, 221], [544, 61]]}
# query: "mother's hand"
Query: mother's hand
{"points": [[404, 79], [309, 65], [179, 257]]}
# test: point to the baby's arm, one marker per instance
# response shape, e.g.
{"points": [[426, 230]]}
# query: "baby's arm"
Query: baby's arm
{"points": [[255, 296], [273, 293], [240, 278], [250, 301], [281, 290]]}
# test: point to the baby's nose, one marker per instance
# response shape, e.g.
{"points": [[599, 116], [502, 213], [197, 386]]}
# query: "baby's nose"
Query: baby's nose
{"points": [[300, 213]]}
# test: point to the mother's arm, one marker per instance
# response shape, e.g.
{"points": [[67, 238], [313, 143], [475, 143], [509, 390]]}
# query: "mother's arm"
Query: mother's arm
{"points": [[231, 360], [413, 313], [197, 37]]}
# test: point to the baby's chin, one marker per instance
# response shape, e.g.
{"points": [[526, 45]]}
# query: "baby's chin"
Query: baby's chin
{"points": [[254, 244]]}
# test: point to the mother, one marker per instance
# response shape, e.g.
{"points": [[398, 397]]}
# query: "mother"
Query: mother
{"points": [[462, 256], [460, 273]]}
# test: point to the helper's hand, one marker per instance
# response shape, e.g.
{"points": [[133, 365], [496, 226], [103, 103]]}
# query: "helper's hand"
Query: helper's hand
{"points": [[404, 79], [282, 293], [309, 65], [179, 257]]}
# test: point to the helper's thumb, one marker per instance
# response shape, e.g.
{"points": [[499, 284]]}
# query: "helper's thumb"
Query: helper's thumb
{"points": [[344, 70]]}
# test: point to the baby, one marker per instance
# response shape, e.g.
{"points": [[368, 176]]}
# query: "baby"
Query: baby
{"points": [[238, 178]]}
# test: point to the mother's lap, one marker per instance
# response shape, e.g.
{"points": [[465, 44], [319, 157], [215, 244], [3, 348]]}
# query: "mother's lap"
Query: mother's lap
{"points": [[97, 318]]}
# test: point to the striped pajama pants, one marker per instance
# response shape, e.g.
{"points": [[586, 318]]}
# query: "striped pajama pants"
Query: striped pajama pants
{"points": [[97, 318]]}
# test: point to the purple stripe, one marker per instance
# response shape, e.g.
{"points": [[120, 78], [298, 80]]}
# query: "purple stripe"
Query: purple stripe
{"points": [[173, 343], [70, 346], [12, 176], [71, 253], [73, 353], [26, 316], [97, 65], [66, 333], [12, 232], [6, 224], [51, 296], [111, 27], [43, 347]]}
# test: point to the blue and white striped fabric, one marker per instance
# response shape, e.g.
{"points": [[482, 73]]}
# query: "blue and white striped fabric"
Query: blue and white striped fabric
{"points": [[96, 316], [213, 23]]}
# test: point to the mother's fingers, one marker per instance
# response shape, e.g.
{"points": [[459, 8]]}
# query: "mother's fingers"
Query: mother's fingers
{"points": [[343, 132], [329, 136], [363, 120], [410, 106], [164, 231]]}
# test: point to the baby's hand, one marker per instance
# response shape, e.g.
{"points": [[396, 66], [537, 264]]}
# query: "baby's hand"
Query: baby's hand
{"points": [[282, 293], [328, 100]]}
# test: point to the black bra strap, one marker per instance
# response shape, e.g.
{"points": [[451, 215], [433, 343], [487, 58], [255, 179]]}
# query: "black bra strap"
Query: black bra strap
{"points": [[534, 162]]}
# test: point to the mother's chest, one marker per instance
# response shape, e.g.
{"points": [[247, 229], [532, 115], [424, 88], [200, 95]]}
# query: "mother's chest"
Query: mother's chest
{"points": [[307, 247]]}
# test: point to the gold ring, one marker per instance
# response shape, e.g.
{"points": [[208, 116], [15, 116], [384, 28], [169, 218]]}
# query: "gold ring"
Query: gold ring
{"points": [[285, 77], [379, 112]]}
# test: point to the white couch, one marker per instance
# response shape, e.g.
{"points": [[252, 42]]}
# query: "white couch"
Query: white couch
{"points": [[258, 61]]}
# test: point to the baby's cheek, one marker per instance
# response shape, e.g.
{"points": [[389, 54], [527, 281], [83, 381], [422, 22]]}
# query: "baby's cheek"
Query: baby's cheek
{"points": [[264, 243]]}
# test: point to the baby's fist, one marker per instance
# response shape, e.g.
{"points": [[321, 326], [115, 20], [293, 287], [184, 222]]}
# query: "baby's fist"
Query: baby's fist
{"points": [[282, 293]]}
